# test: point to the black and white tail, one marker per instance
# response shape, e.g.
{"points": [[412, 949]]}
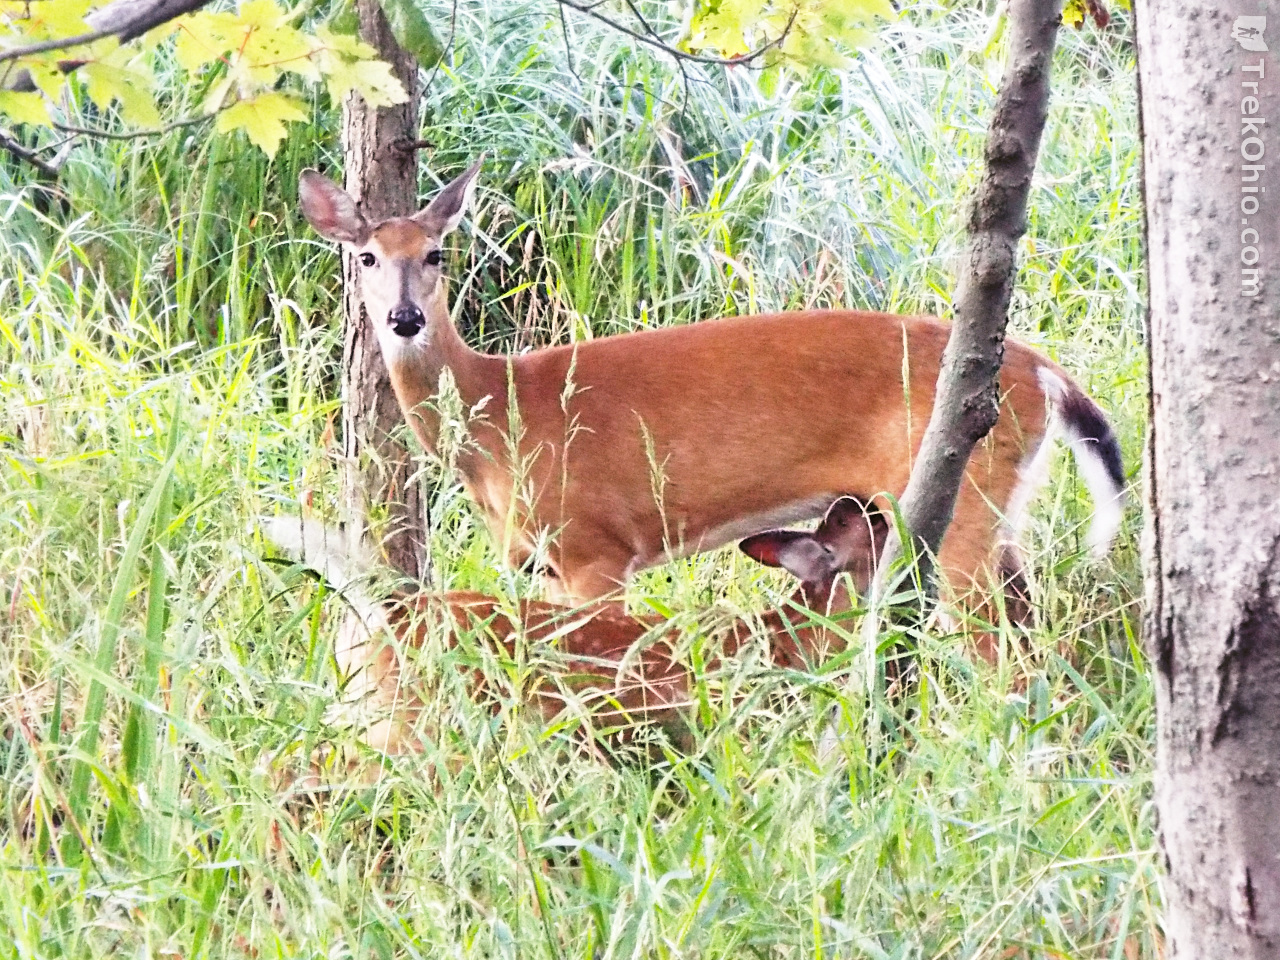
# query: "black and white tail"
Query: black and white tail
{"points": [[1097, 453]]}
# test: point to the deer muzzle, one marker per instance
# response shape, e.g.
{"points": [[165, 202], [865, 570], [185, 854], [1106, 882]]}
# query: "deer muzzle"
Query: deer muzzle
{"points": [[407, 321]]}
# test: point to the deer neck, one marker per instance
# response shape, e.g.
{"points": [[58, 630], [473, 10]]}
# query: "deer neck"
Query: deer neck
{"points": [[417, 370]]}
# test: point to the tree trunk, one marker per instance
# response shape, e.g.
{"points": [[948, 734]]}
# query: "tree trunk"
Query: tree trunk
{"points": [[1210, 93], [967, 400], [382, 176]]}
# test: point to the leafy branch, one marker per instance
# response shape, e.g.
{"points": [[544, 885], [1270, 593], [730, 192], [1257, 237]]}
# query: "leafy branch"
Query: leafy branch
{"points": [[651, 37], [249, 51]]}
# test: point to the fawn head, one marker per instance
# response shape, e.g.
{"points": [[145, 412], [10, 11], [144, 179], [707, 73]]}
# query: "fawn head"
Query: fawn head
{"points": [[849, 540], [400, 258]]}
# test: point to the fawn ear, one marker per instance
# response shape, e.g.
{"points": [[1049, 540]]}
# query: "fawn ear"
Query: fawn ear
{"points": [[853, 516], [878, 521], [765, 547], [331, 210], [795, 551], [844, 510], [443, 214]]}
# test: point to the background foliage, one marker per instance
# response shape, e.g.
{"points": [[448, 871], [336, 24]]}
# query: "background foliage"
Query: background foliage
{"points": [[169, 366]]}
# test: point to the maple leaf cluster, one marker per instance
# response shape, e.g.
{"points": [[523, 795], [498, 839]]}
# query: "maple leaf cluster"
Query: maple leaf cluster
{"points": [[245, 53], [804, 33]]}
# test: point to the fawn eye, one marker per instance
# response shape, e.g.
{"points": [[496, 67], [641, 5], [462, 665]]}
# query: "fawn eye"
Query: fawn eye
{"points": [[434, 258], [368, 259]]}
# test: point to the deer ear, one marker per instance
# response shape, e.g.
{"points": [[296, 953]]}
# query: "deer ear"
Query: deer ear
{"points": [[331, 210], [878, 521], [843, 511], [443, 214], [764, 547], [850, 512], [795, 551], [806, 559]]}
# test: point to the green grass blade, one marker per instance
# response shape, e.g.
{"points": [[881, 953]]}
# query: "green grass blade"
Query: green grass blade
{"points": [[105, 658]]}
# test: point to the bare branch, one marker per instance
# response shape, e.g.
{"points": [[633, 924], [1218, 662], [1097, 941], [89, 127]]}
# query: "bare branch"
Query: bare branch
{"points": [[62, 43], [444, 50], [132, 134], [568, 47], [7, 143], [409, 146], [651, 37]]}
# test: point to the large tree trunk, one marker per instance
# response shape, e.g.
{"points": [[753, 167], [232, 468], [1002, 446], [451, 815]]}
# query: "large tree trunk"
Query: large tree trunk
{"points": [[382, 176], [967, 400], [1213, 468]]}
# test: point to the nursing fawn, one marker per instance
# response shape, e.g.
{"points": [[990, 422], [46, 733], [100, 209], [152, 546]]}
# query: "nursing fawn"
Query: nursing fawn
{"points": [[618, 670]]}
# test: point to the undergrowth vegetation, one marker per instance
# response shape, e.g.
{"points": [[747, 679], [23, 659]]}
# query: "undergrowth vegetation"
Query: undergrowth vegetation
{"points": [[170, 351]]}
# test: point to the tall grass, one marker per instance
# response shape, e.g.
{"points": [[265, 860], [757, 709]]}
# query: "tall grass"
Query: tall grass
{"points": [[170, 354]]}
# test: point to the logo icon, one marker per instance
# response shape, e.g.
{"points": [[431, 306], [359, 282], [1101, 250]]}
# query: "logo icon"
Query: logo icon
{"points": [[1248, 32]]}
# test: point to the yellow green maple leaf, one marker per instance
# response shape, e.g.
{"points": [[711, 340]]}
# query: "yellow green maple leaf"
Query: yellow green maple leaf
{"points": [[24, 107], [217, 96], [46, 75], [124, 79], [269, 45], [261, 15], [372, 79], [813, 50], [722, 28], [204, 37], [346, 44], [810, 30], [719, 33], [262, 119], [257, 41], [157, 35], [726, 27], [48, 20]]}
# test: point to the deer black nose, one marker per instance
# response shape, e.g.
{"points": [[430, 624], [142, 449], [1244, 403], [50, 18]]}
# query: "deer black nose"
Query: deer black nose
{"points": [[406, 321]]}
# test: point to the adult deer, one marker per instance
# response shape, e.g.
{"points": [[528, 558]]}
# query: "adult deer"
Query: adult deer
{"points": [[753, 422], [622, 669]]}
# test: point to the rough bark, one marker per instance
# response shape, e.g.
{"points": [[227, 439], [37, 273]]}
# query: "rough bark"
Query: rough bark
{"points": [[382, 176], [1212, 550], [967, 400]]}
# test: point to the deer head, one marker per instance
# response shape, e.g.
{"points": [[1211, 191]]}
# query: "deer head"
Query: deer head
{"points": [[848, 540], [400, 258]]}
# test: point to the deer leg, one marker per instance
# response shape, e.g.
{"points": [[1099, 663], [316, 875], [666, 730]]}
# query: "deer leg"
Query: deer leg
{"points": [[966, 561]]}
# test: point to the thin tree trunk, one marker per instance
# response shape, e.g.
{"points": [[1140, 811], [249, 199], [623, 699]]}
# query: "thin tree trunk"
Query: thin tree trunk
{"points": [[383, 178], [1212, 548], [967, 400]]}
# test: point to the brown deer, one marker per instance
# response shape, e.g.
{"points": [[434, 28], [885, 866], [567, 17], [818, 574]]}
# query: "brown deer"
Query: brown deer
{"points": [[619, 669], [752, 422]]}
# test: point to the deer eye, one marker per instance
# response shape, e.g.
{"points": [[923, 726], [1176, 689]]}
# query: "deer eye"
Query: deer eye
{"points": [[434, 258], [368, 259]]}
